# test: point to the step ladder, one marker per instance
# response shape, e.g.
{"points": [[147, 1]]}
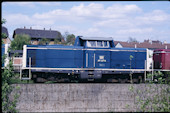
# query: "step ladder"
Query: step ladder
{"points": [[30, 76]]}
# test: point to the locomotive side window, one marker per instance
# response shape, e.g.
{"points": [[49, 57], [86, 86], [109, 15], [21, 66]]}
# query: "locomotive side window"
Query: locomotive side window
{"points": [[105, 43], [101, 44], [91, 44]]}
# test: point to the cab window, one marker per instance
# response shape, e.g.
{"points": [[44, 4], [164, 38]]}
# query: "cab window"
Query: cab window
{"points": [[99, 44]]}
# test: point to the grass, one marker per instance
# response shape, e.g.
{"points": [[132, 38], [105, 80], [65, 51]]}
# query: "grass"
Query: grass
{"points": [[17, 80]]}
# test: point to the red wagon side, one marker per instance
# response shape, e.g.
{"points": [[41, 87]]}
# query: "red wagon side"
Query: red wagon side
{"points": [[161, 58]]}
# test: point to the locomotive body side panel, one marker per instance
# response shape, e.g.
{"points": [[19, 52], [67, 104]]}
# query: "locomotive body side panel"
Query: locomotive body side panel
{"points": [[55, 57], [120, 58], [97, 58], [102, 59], [140, 57], [89, 59]]}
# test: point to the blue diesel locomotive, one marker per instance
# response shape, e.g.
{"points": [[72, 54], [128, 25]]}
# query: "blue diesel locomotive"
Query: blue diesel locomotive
{"points": [[89, 59]]}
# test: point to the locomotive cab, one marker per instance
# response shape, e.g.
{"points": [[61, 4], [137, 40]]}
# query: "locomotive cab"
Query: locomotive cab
{"points": [[94, 42], [96, 55]]}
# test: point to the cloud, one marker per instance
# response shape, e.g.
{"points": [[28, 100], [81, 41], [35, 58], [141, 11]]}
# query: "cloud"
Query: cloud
{"points": [[154, 17], [18, 19], [94, 19], [123, 9], [22, 4], [90, 10], [49, 3], [135, 31], [32, 4]]}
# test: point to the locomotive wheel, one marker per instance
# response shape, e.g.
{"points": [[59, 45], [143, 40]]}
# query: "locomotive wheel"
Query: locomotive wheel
{"points": [[122, 80], [113, 80], [34, 78], [135, 80], [140, 80], [41, 80]]}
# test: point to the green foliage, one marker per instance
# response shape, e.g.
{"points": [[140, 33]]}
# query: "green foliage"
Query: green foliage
{"points": [[3, 21], [3, 35], [19, 41], [8, 104], [50, 82], [130, 57], [59, 39], [16, 80], [153, 98], [44, 41], [70, 39], [131, 88]]}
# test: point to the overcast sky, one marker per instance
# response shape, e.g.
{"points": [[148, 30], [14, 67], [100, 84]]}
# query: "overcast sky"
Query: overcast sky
{"points": [[116, 19]]}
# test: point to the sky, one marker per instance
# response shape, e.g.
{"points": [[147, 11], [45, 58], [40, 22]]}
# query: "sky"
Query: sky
{"points": [[120, 20]]}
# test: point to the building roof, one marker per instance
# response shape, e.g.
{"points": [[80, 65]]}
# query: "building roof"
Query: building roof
{"points": [[35, 33], [5, 30], [145, 44]]}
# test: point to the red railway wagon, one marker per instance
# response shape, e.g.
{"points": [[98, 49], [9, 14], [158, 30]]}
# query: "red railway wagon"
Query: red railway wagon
{"points": [[161, 58]]}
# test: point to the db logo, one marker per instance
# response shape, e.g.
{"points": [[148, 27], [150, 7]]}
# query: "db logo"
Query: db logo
{"points": [[101, 59]]}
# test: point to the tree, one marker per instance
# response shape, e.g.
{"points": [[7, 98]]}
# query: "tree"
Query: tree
{"points": [[44, 41], [66, 33], [19, 41], [70, 39], [3, 35], [8, 104], [59, 39], [132, 39], [3, 21], [66, 39]]}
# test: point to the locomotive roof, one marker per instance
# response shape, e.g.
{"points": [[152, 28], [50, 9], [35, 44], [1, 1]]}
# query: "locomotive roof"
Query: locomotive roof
{"points": [[53, 46], [97, 38]]}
